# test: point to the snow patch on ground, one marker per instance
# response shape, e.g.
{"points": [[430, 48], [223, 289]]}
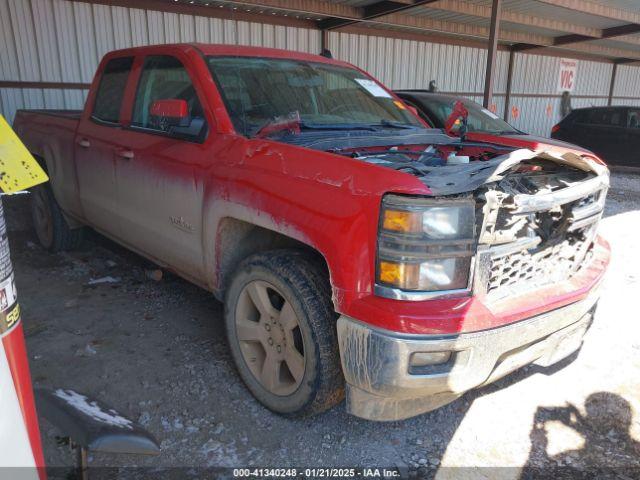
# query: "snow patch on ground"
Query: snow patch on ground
{"points": [[92, 409]]}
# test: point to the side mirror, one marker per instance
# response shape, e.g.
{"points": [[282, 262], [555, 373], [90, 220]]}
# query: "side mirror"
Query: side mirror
{"points": [[170, 113]]}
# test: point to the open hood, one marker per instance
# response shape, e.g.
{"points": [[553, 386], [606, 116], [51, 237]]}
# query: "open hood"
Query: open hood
{"points": [[447, 179], [455, 179]]}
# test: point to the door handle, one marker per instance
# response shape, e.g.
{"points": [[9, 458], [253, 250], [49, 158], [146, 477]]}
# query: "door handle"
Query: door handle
{"points": [[126, 154], [84, 143]]}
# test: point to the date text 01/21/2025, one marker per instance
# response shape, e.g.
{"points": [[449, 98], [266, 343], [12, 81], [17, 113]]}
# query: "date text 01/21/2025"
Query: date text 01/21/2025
{"points": [[315, 473]]}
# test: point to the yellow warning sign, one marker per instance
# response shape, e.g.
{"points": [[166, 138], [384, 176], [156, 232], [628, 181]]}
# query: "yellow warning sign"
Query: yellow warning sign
{"points": [[18, 169]]}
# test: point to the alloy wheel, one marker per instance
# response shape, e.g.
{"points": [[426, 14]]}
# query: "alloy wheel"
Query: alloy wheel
{"points": [[271, 343]]}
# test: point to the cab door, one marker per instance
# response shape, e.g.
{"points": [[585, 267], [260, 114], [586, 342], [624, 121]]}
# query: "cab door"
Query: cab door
{"points": [[161, 170], [629, 156], [613, 134], [94, 146], [605, 133]]}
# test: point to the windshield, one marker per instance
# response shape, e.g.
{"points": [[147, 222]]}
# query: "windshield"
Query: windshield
{"points": [[260, 91], [479, 120]]}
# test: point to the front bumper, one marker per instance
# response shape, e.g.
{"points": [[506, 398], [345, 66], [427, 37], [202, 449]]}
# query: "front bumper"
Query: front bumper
{"points": [[382, 384]]}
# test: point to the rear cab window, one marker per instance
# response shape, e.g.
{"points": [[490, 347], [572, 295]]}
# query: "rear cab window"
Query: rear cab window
{"points": [[633, 118], [165, 78], [111, 90]]}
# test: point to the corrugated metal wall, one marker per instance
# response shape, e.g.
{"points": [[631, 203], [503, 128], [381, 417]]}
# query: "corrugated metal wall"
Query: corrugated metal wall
{"points": [[534, 106], [535, 94], [627, 85], [400, 63], [63, 41]]}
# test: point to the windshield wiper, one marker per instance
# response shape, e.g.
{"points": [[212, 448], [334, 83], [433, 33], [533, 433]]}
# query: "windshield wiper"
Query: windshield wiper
{"points": [[509, 132], [335, 126], [295, 125], [291, 123], [391, 124]]}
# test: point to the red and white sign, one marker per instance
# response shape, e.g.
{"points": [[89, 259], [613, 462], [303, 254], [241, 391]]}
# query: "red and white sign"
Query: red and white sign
{"points": [[567, 77]]}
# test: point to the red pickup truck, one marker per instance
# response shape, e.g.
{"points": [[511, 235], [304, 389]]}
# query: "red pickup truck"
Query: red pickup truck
{"points": [[356, 250]]}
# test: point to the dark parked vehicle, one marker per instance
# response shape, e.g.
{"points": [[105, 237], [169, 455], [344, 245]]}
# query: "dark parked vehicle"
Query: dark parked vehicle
{"points": [[482, 124], [613, 133]]}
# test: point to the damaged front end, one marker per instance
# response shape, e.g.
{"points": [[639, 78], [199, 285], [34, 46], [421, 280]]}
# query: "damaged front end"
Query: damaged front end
{"points": [[535, 221], [538, 223], [534, 230]]}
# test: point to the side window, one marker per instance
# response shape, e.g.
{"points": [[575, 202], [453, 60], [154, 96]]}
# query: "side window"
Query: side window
{"points": [[578, 116], [614, 118], [606, 117], [111, 89], [421, 113], [165, 78], [633, 119], [596, 117]]}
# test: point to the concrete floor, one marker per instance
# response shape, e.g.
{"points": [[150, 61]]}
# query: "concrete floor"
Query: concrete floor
{"points": [[156, 352]]}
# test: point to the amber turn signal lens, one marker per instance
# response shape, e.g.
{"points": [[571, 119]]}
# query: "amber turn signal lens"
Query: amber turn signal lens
{"points": [[401, 221], [391, 273]]}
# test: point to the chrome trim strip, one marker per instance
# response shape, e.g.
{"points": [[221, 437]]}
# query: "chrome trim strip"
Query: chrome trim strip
{"points": [[589, 210], [513, 247], [397, 294], [578, 224], [534, 203]]}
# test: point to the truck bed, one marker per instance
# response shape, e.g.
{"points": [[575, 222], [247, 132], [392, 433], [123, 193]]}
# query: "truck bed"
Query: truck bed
{"points": [[70, 114], [50, 136]]}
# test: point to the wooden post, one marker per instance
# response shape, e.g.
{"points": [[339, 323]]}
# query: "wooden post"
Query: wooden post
{"points": [[491, 52]]}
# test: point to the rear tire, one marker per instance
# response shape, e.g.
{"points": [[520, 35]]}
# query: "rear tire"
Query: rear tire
{"points": [[51, 227], [281, 329]]}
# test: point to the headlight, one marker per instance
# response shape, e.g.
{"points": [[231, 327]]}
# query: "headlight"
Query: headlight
{"points": [[425, 244]]}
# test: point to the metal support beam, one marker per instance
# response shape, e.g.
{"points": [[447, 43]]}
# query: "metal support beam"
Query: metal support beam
{"points": [[613, 83], [491, 52], [612, 32], [507, 97], [324, 40], [599, 9], [375, 10], [621, 30]]}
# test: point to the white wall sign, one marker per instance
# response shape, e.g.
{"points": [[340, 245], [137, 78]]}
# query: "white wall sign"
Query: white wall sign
{"points": [[567, 77]]}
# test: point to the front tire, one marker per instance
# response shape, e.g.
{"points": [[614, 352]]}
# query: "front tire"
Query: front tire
{"points": [[281, 329], [51, 227]]}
